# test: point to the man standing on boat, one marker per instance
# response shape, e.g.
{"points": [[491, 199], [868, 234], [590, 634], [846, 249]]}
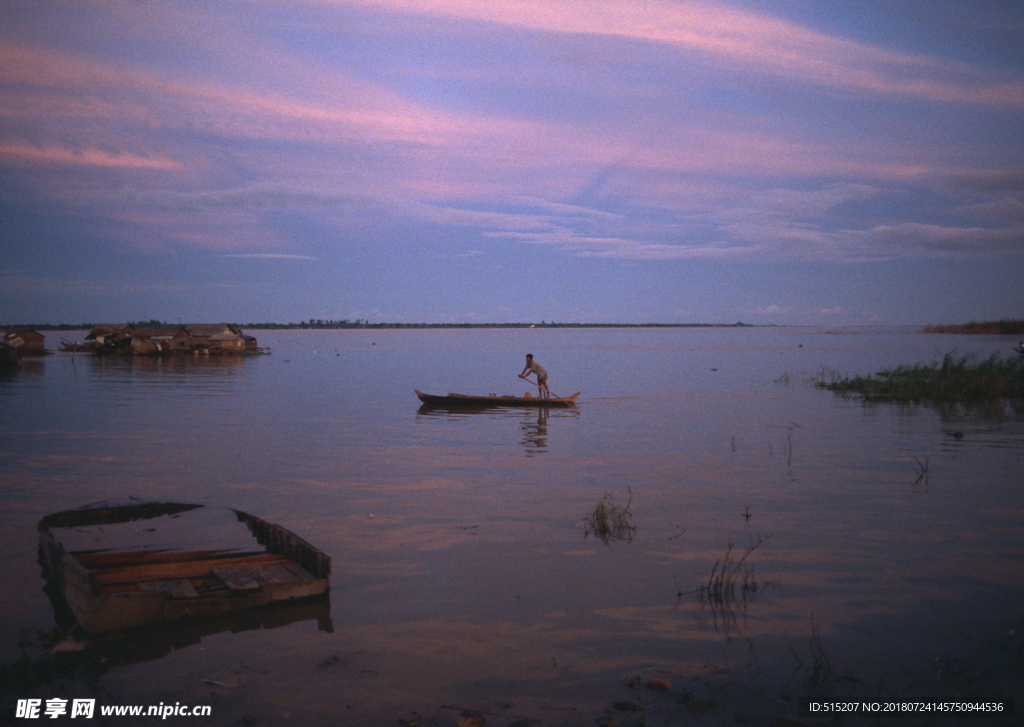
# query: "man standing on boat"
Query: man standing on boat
{"points": [[532, 367]]}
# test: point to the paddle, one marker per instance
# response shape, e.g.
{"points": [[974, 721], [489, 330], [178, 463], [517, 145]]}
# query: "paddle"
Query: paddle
{"points": [[553, 394]]}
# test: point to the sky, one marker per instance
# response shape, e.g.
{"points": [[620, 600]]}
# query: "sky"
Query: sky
{"points": [[795, 162]]}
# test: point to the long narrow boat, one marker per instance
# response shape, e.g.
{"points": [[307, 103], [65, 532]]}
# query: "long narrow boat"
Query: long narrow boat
{"points": [[127, 565], [466, 400]]}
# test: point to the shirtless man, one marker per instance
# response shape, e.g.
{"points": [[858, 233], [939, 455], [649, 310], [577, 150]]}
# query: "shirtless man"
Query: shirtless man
{"points": [[532, 367]]}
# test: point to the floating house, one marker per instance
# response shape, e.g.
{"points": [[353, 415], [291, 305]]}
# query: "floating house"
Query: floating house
{"points": [[104, 337], [216, 337], [195, 338], [102, 331], [28, 342], [157, 340]]}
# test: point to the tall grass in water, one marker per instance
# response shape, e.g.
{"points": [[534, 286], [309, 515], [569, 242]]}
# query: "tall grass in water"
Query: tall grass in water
{"points": [[731, 587], [953, 379], [1003, 327], [610, 521]]}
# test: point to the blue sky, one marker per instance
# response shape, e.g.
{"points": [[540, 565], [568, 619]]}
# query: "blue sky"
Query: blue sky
{"points": [[792, 162]]}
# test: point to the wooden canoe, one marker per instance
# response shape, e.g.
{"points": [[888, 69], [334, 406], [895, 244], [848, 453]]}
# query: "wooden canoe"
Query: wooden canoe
{"points": [[466, 400], [127, 565]]}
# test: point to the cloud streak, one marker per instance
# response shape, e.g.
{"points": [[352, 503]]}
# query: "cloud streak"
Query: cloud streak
{"points": [[594, 134], [268, 256], [745, 40], [15, 153]]}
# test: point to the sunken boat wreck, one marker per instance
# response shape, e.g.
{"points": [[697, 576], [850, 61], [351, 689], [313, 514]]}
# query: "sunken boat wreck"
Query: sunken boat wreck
{"points": [[120, 566]]}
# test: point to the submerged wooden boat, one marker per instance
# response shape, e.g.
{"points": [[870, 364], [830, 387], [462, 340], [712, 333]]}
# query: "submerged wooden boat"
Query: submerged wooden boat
{"points": [[466, 400], [127, 565]]}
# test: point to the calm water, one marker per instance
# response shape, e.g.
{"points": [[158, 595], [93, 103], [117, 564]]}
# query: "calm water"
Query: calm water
{"points": [[462, 574]]}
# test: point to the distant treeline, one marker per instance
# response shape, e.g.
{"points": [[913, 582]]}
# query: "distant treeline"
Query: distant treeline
{"points": [[358, 323], [1005, 327], [48, 326], [543, 324], [77, 326]]}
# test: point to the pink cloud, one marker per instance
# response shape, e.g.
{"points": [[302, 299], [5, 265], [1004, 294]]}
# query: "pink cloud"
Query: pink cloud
{"points": [[751, 41], [15, 153]]}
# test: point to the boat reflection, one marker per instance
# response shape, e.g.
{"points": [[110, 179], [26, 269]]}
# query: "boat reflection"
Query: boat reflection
{"points": [[149, 643], [534, 428], [533, 421], [493, 412], [155, 642]]}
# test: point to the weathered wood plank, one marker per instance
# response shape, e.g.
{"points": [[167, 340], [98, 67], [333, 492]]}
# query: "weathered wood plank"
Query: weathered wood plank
{"points": [[128, 566], [298, 571], [101, 556], [190, 569], [280, 574], [238, 578], [176, 588], [279, 540], [166, 557]]}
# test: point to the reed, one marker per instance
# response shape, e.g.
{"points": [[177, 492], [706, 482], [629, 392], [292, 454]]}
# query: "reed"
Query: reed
{"points": [[610, 521], [1003, 327], [921, 470], [731, 580], [963, 379], [730, 588]]}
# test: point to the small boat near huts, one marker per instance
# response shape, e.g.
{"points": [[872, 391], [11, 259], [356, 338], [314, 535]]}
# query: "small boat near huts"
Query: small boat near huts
{"points": [[119, 566], [483, 402]]}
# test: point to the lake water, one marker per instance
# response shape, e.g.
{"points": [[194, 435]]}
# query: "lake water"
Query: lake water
{"points": [[889, 539]]}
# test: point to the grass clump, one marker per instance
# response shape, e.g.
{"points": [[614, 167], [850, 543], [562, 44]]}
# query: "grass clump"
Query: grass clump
{"points": [[731, 587], [731, 580], [610, 521], [961, 379], [1003, 327]]}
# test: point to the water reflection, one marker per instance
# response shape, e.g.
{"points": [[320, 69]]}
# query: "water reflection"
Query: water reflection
{"points": [[533, 421], [461, 548], [948, 411], [534, 428], [163, 365], [149, 643], [25, 367]]}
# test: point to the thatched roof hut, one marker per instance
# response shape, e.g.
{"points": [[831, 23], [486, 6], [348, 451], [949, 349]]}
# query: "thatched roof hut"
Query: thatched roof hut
{"points": [[26, 341]]}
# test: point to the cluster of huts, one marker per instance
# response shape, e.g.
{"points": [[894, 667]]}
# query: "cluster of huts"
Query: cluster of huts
{"points": [[194, 338]]}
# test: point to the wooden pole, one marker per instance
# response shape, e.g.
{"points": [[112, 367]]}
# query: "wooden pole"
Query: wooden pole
{"points": [[553, 394]]}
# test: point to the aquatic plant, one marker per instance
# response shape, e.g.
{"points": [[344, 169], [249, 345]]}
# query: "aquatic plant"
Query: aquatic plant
{"points": [[921, 470], [1002, 327], [731, 586], [610, 521], [731, 580], [961, 379], [819, 672]]}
